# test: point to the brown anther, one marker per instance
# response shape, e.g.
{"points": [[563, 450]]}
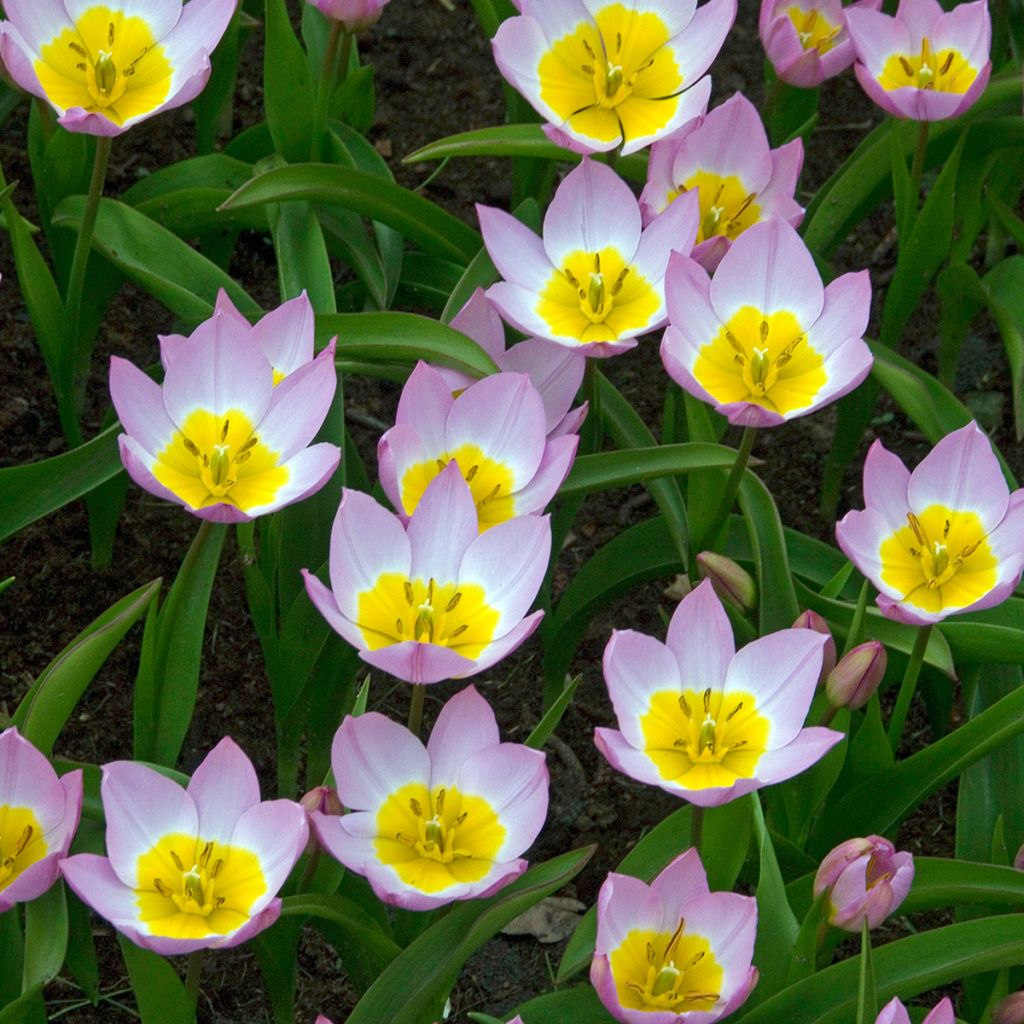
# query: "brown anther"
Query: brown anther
{"points": [[589, 49], [618, 41], [164, 890], [461, 818], [224, 430], [971, 548], [764, 330], [458, 632], [242, 457], [735, 711], [110, 34], [430, 590], [204, 857], [416, 806], [217, 865], [403, 838], [219, 902], [177, 861], [696, 958], [191, 447], [440, 463], [206, 461], [399, 628], [812, 19], [945, 530], [674, 941], [684, 705], [906, 66], [915, 525], [651, 955], [79, 49], [473, 470], [23, 840], [80, 66], [454, 602], [587, 69], [439, 801], [410, 597], [251, 443], [597, 263], [947, 63], [707, 701]]}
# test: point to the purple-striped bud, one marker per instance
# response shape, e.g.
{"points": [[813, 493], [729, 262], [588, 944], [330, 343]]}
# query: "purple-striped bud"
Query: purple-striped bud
{"points": [[809, 619], [1010, 1010], [731, 582], [866, 880], [325, 800], [852, 682]]}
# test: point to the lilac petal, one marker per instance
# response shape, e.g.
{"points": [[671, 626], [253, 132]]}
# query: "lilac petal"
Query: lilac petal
{"points": [[223, 787], [308, 471], [286, 334], [894, 1012], [504, 645], [626, 758], [138, 462], [38, 22], [479, 320], [729, 922], [885, 485], [324, 602], [844, 315], [276, 831], [518, 306], [919, 17], [465, 726], [556, 373], [443, 527], [421, 663], [700, 637], [673, 231], [551, 473], [690, 311], [424, 405], [32, 882], [28, 780], [860, 535], [94, 882], [138, 401], [807, 748], [681, 880], [516, 251], [398, 450], [626, 904], [637, 666], [299, 406]]}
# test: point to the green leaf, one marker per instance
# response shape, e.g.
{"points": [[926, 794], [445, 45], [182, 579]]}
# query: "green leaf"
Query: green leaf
{"points": [[905, 202], [578, 1005], [157, 260], [214, 172], [417, 218], [725, 840], [880, 803], [81, 955], [547, 725], [648, 858], [159, 993], [962, 297], [404, 338], [12, 943], [413, 988], [288, 94], [46, 937], [52, 698], [605, 470], [1004, 287], [36, 489], [302, 261]]}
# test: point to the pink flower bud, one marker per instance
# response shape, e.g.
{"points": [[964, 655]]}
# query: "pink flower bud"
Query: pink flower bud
{"points": [[851, 683], [1010, 1010], [1018, 861], [812, 620], [866, 880], [355, 15], [325, 800], [731, 582]]}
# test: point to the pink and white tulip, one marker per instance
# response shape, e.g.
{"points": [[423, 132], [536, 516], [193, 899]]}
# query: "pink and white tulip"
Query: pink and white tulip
{"points": [[673, 952], [703, 721], [596, 278], [866, 880], [355, 15], [894, 1012], [429, 825], [739, 179], [605, 75], [218, 437], [437, 600], [495, 432], [193, 868], [807, 41], [105, 67], [924, 64], [944, 539], [554, 370], [38, 817], [763, 341]]}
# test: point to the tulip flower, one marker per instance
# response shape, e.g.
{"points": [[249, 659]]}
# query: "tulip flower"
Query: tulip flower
{"points": [[807, 41], [38, 818], [809, 619], [866, 880], [945, 539], [429, 825], [494, 432], [438, 600], [193, 868], [608, 75], [673, 952], [355, 15], [218, 437], [1010, 1010], [857, 675], [894, 1012], [596, 279], [705, 722], [105, 67], [554, 370], [285, 335], [739, 179], [764, 342], [924, 64]]}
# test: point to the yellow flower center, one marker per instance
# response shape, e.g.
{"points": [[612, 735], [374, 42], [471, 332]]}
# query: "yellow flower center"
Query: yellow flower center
{"points": [[437, 839], [220, 459], [613, 76], [704, 740], [21, 842], [490, 482], [597, 296], [109, 63], [815, 31], [451, 615], [726, 206], [762, 358], [939, 561], [662, 971], [191, 888], [940, 70]]}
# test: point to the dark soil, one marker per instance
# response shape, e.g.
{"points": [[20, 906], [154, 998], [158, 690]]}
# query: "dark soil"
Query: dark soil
{"points": [[434, 77]]}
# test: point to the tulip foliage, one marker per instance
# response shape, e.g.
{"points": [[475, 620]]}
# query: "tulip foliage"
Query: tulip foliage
{"points": [[824, 704]]}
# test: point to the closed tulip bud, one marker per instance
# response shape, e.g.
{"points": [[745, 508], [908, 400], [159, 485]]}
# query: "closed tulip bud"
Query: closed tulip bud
{"points": [[1010, 1010], [866, 880], [852, 682], [1018, 861], [812, 620], [732, 582], [355, 15], [325, 800]]}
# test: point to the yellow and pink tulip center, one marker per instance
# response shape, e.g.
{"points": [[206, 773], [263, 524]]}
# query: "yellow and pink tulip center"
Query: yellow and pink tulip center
{"points": [[813, 29], [727, 206], [21, 842], [613, 76], [434, 840], [940, 560], [189, 888], [109, 62], [490, 482], [939, 70], [704, 740], [666, 971], [596, 297], [762, 358], [220, 458]]}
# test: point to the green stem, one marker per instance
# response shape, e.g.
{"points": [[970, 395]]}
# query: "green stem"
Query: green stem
{"points": [[867, 1002], [310, 871], [827, 715], [416, 709], [696, 827], [76, 361], [732, 486], [194, 975], [326, 87], [593, 428], [907, 687], [917, 168], [856, 633]]}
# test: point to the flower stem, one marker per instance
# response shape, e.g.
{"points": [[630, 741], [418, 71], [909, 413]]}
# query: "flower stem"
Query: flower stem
{"points": [[907, 687], [327, 76], [416, 709], [696, 827], [194, 975], [732, 486], [593, 427], [867, 1001], [312, 863], [75, 361], [917, 168]]}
